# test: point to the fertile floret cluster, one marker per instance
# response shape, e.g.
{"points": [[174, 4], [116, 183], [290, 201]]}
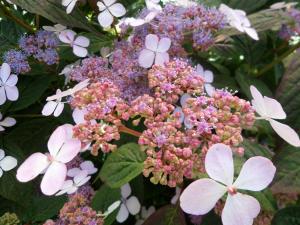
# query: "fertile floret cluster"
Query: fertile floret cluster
{"points": [[17, 61]]}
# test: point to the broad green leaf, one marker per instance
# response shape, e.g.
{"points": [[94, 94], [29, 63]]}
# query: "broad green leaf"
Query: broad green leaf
{"points": [[9, 34], [253, 148], [123, 165], [287, 179], [167, 215], [248, 6], [55, 12], [287, 216], [97, 42], [288, 91]]}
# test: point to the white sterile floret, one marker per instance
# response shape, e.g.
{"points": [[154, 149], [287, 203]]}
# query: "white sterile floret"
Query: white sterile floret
{"points": [[7, 163], [8, 89], [270, 109], [131, 21], [70, 4], [108, 10], [57, 28], [78, 43], [71, 186], [238, 19], [240, 209], [128, 204], [155, 51], [87, 166], [153, 5], [54, 107], [6, 122], [208, 77]]}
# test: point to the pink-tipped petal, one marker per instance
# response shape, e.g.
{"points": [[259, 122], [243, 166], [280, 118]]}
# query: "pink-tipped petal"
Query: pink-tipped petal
{"points": [[286, 133], [56, 140], [240, 209], [274, 108], [32, 167], [219, 163], [69, 150], [54, 178], [146, 58], [201, 196], [256, 174], [151, 42]]}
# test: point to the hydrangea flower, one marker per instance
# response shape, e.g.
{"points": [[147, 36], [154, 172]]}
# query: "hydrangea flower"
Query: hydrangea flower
{"points": [[7, 163], [108, 10], [71, 186], [270, 109], [57, 28], [153, 5], [79, 44], [6, 122], [238, 19], [208, 77], [145, 214], [8, 89], [240, 209], [70, 4], [87, 166], [128, 204], [155, 51], [62, 149], [54, 107], [131, 21]]}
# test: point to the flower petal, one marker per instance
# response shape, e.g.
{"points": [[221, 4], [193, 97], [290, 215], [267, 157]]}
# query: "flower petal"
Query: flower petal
{"points": [[109, 2], [178, 110], [258, 101], [252, 33], [184, 98], [146, 58], [89, 167], [56, 140], [133, 205], [67, 36], [54, 178], [8, 122], [101, 6], [105, 18], [240, 209], [125, 190], [2, 154], [201, 196], [286, 133], [8, 163], [49, 108], [164, 45], [219, 163], [274, 108], [161, 58], [71, 6], [78, 115], [151, 42], [12, 80], [66, 2], [32, 167], [208, 76], [2, 95], [12, 93], [81, 178], [4, 72], [69, 150], [80, 51], [122, 214], [209, 89], [82, 41], [117, 10], [256, 174], [59, 109]]}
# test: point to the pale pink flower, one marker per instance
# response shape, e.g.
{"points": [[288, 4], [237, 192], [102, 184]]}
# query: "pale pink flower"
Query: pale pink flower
{"points": [[155, 51], [8, 89], [62, 149], [108, 10], [270, 109], [240, 209]]}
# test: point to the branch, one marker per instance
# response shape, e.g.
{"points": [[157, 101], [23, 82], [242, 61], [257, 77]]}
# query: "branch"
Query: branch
{"points": [[127, 130]]}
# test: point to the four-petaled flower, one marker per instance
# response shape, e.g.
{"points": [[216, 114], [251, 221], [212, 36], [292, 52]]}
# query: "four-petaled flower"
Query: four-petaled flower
{"points": [[6, 122], [270, 109], [155, 51], [109, 9], [131, 21], [208, 77], [8, 89], [87, 166], [238, 19], [62, 149], [6, 162], [240, 209], [56, 107], [70, 4], [79, 44]]}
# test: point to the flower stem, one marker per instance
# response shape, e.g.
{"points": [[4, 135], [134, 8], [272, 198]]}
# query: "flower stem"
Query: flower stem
{"points": [[127, 130]]}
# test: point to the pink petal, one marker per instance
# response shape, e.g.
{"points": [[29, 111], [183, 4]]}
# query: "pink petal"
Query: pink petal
{"points": [[146, 58], [69, 131], [240, 209], [274, 108], [4, 72], [256, 174], [12, 80], [32, 167], [56, 140], [219, 163], [54, 178], [133, 205], [122, 214], [69, 150], [201, 196], [12, 93], [164, 45], [125, 190], [8, 122], [49, 108], [161, 58], [286, 133], [82, 41], [178, 110], [105, 18], [80, 51], [151, 42], [117, 10]]}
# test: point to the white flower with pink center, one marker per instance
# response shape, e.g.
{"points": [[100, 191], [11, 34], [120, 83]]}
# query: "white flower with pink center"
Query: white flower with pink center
{"points": [[240, 209]]}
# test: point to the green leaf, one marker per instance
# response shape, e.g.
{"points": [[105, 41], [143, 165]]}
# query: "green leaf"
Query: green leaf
{"points": [[9, 34], [55, 12], [123, 165], [97, 42], [287, 179], [167, 215], [248, 6], [287, 216], [253, 148]]}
